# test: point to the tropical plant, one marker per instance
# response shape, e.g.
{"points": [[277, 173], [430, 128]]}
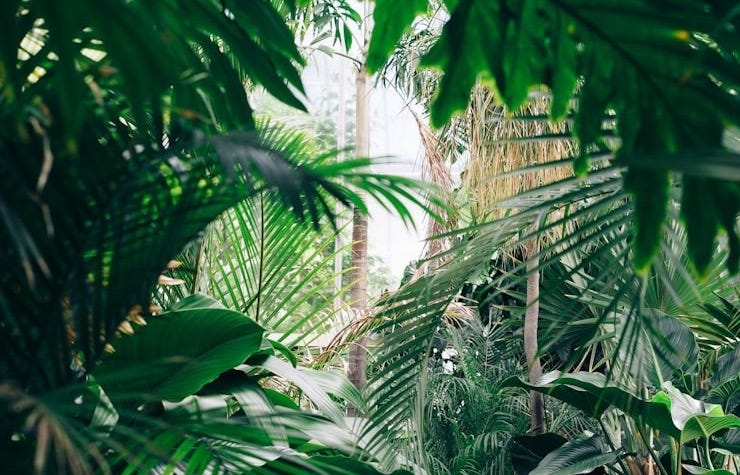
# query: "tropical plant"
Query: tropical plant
{"points": [[691, 426], [632, 125], [128, 130], [198, 371], [470, 417], [555, 43], [671, 341]]}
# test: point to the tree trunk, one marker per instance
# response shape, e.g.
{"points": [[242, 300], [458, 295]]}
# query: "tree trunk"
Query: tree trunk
{"points": [[531, 317], [358, 297], [339, 241], [358, 290]]}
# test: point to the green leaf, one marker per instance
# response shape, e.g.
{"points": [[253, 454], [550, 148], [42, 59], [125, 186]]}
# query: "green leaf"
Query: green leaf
{"points": [[391, 19], [581, 455], [694, 418], [706, 425], [727, 205], [663, 347], [595, 95], [726, 368], [725, 382], [522, 61], [593, 394], [698, 210], [327, 464], [694, 470], [285, 351], [649, 190], [527, 451], [729, 441], [177, 353], [196, 301], [317, 385], [565, 75], [459, 53]]}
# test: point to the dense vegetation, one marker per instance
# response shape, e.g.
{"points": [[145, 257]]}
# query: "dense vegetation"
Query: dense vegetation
{"points": [[165, 253]]}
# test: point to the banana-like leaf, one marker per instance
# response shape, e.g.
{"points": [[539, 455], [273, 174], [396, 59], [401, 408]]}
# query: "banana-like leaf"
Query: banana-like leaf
{"points": [[695, 419], [664, 347], [594, 394], [176, 353], [669, 411], [582, 455], [725, 382], [527, 451], [317, 385], [694, 470], [331, 465]]}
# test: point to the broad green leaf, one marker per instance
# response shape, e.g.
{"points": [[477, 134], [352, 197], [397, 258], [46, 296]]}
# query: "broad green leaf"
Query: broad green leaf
{"points": [[662, 347], [565, 75], [522, 61], [391, 19], [725, 382], [527, 451], [696, 419], [593, 394], [196, 301], [317, 385], [706, 425], [649, 190], [698, 211], [329, 465], [729, 441], [695, 470], [177, 353], [581, 455], [460, 54]]}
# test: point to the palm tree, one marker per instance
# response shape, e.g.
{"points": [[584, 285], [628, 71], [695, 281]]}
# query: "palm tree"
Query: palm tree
{"points": [[557, 42], [357, 370], [637, 66]]}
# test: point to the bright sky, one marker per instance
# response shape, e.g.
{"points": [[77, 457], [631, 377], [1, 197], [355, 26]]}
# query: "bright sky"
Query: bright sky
{"points": [[393, 134]]}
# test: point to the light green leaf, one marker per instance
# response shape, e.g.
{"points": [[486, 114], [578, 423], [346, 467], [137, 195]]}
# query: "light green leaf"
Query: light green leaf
{"points": [[317, 385], [695, 470]]}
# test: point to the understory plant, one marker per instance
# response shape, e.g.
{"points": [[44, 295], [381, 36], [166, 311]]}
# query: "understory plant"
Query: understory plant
{"points": [[127, 131]]}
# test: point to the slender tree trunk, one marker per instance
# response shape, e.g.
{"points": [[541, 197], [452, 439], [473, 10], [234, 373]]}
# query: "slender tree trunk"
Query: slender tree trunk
{"points": [[531, 318], [339, 241], [358, 290]]}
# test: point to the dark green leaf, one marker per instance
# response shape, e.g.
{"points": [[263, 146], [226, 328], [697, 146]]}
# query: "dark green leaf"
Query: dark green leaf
{"points": [[565, 74], [177, 353], [581, 455], [592, 393], [650, 192], [391, 19], [527, 451]]}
